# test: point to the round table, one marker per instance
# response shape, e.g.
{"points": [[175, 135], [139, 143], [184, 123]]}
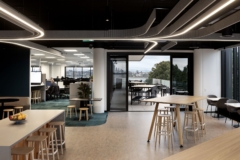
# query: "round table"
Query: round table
{"points": [[3, 100]]}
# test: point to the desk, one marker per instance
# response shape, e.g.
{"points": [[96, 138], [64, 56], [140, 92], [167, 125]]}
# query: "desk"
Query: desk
{"points": [[140, 86], [223, 147], [11, 133], [173, 99], [3, 100]]}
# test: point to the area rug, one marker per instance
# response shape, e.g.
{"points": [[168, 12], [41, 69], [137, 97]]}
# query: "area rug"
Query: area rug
{"points": [[94, 120]]}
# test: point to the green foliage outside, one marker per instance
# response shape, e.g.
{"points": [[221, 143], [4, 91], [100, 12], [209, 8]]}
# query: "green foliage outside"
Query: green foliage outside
{"points": [[84, 90]]}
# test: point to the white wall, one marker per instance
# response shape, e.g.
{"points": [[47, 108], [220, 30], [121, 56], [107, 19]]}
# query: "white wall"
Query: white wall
{"points": [[58, 71], [45, 70], [207, 73]]}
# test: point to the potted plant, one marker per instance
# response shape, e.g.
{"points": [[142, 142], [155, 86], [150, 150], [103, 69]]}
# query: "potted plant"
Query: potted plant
{"points": [[84, 90], [91, 78]]}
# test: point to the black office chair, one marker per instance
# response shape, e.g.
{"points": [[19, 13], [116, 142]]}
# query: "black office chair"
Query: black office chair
{"points": [[211, 103], [233, 114], [56, 92]]}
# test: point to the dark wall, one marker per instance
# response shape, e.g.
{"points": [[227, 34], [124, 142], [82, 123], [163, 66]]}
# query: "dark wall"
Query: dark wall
{"points": [[14, 71]]}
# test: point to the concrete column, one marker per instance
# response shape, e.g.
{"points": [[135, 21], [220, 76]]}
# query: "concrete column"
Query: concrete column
{"points": [[99, 79], [207, 73]]}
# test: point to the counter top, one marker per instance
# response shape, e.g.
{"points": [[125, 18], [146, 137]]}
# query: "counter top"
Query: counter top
{"points": [[12, 133]]}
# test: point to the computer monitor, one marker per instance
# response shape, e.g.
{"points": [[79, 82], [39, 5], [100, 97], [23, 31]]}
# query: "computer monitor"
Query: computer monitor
{"points": [[36, 77]]}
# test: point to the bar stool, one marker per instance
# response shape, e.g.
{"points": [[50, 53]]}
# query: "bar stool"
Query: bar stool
{"points": [[51, 132], [192, 126], [164, 127], [39, 97], [86, 113], [42, 145], [70, 109], [61, 128], [171, 110], [90, 106], [34, 96], [23, 151], [18, 109], [160, 111], [8, 111]]}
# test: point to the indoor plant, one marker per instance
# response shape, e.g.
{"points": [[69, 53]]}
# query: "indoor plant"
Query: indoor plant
{"points": [[84, 90]]}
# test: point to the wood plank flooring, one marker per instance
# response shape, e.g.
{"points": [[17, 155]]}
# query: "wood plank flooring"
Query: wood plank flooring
{"points": [[124, 137]]}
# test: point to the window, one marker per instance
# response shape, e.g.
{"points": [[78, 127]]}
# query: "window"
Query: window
{"points": [[78, 72]]}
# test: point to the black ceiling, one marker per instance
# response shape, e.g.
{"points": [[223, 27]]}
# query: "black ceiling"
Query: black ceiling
{"points": [[91, 15]]}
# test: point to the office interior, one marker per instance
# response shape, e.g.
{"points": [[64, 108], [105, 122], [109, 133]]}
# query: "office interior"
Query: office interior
{"points": [[196, 48]]}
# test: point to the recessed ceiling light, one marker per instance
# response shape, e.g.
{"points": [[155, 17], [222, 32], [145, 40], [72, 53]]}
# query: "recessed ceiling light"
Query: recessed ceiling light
{"points": [[84, 57], [43, 61], [33, 59], [50, 57], [70, 50], [38, 54], [68, 61], [78, 54], [60, 59]]}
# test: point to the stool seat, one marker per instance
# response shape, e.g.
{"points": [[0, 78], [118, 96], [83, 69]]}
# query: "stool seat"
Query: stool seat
{"points": [[18, 107], [37, 138], [164, 115], [8, 110], [21, 150], [56, 123], [47, 130], [71, 106], [84, 109]]}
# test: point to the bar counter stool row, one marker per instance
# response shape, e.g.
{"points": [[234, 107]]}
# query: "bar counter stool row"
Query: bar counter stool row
{"points": [[72, 108], [47, 143]]}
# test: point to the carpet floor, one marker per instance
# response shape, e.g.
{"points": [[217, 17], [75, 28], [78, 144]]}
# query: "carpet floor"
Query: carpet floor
{"points": [[94, 120]]}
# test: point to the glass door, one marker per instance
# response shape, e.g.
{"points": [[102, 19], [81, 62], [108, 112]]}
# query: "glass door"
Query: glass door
{"points": [[117, 90], [180, 74]]}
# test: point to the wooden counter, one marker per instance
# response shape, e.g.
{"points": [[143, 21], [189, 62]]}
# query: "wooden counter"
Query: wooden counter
{"points": [[11, 134], [223, 147]]}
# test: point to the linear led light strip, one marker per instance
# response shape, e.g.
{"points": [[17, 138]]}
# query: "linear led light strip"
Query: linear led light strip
{"points": [[203, 19], [31, 48], [41, 33], [151, 47]]}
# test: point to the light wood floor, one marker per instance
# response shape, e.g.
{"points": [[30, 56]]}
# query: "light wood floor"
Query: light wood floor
{"points": [[124, 137]]}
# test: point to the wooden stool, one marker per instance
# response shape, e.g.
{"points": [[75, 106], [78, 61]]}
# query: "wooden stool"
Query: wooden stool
{"points": [[39, 97], [70, 109], [8, 111], [51, 132], [90, 106], [23, 151], [160, 111], [171, 110], [61, 141], [18, 109], [42, 143], [192, 127], [164, 127], [34, 96], [86, 113]]}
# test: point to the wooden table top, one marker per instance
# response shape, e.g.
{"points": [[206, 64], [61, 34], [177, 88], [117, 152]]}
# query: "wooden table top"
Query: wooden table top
{"points": [[222, 147], [175, 99], [143, 86]]}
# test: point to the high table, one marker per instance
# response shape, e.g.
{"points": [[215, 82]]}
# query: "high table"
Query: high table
{"points": [[12, 134], [3, 100], [177, 100], [223, 147], [235, 105]]}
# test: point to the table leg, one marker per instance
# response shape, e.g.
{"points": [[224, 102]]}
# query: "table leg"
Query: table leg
{"points": [[179, 125], [131, 95], [199, 116], [153, 121]]}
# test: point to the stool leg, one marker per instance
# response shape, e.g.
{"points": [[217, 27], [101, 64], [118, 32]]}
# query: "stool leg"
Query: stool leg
{"points": [[17, 157], [8, 114], [55, 135], [75, 111], [46, 147], [60, 129], [26, 157], [3, 115], [80, 115], [86, 114], [53, 145], [32, 155], [91, 110], [63, 133], [42, 150]]}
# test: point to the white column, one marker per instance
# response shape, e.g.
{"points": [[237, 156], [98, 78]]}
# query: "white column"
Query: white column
{"points": [[207, 73], [99, 79]]}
